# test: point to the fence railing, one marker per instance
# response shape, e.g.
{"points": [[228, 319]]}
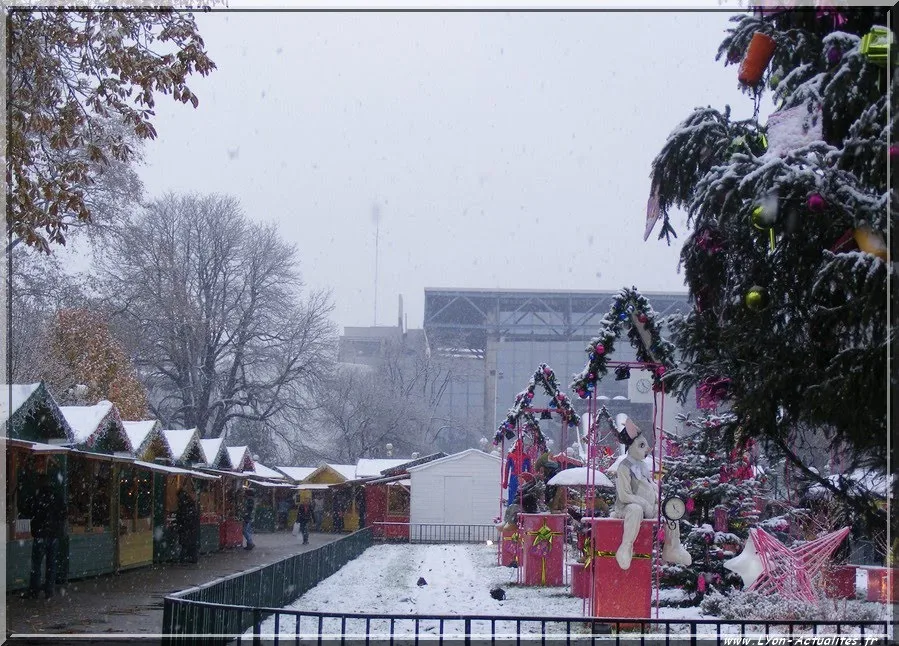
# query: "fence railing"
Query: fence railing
{"points": [[434, 533], [219, 607], [281, 626]]}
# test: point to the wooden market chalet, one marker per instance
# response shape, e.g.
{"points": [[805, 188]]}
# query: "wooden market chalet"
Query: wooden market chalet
{"points": [[120, 480]]}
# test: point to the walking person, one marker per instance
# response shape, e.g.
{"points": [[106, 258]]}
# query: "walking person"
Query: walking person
{"points": [[248, 509], [304, 515], [48, 524], [187, 518], [318, 512]]}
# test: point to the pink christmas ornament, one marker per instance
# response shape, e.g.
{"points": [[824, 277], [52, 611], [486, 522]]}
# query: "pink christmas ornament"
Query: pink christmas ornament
{"points": [[894, 153], [600, 348], [547, 371], [700, 583], [642, 317], [690, 505], [816, 203]]}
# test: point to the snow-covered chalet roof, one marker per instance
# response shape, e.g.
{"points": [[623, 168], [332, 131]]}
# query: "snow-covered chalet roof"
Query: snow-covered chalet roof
{"points": [[86, 420], [348, 471], [262, 471], [180, 441], [238, 455], [297, 474], [13, 397], [211, 448], [138, 432], [19, 402], [451, 458], [370, 467]]}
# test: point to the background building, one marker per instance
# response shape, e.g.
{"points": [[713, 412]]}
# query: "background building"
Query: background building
{"points": [[496, 339]]}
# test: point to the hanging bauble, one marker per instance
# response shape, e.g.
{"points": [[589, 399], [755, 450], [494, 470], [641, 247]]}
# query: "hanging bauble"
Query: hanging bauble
{"points": [[757, 298], [763, 220], [600, 348], [834, 55], [876, 45], [870, 241], [816, 203], [894, 153], [758, 55], [641, 317], [691, 505], [845, 242], [630, 309], [547, 371], [622, 316]]}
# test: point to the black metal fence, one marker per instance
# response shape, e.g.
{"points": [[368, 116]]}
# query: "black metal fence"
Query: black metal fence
{"points": [[280, 626], [247, 608], [219, 607], [420, 533]]}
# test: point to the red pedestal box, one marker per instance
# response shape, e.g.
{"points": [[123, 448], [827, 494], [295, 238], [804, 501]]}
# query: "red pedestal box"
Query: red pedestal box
{"points": [[580, 581], [617, 592], [543, 548], [839, 583], [882, 584], [509, 546]]}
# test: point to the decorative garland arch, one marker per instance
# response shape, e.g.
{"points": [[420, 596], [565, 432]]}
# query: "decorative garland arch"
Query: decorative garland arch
{"points": [[545, 377], [632, 310]]}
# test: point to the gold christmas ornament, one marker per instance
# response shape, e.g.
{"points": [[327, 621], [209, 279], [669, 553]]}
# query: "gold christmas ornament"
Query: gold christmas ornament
{"points": [[757, 298], [870, 241]]}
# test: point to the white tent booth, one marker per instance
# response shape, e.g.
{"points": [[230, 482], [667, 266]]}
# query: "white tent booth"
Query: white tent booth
{"points": [[454, 498]]}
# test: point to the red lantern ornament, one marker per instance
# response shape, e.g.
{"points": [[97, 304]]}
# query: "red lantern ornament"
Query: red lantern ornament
{"points": [[759, 54]]}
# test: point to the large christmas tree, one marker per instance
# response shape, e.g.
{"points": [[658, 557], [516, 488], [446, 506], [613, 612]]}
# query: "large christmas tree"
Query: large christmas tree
{"points": [[786, 262]]}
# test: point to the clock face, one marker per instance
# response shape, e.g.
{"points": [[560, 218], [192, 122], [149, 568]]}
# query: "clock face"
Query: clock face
{"points": [[643, 385], [674, 508]]}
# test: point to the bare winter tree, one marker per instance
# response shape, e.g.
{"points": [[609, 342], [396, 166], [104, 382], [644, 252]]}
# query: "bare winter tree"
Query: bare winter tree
{"points": [[361, 413], [219, 323], [395, 398]]}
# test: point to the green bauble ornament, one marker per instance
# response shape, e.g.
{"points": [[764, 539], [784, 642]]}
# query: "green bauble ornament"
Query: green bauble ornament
{"points": [[757, 298]]}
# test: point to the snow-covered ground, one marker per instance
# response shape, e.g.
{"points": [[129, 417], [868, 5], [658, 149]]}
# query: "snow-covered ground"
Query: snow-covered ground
{"points": [[459, 578]]}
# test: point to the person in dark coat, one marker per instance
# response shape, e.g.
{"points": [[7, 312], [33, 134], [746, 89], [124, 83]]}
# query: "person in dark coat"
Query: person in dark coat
{"points": [[187, 518], [304, 515], [248, 509], [48, 524]]}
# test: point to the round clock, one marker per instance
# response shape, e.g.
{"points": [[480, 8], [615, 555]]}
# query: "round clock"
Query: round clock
{"points": [[643, 385], [674, 508]]}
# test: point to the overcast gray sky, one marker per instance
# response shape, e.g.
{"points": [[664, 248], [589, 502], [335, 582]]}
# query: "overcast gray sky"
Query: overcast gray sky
{"points": [[503, 150]]}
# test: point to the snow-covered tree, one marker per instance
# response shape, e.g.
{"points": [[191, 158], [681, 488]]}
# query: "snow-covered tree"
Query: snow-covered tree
{"points": [[786, 262], [718, 482]]}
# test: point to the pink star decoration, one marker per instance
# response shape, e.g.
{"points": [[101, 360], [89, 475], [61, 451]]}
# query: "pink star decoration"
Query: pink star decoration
{"points": [[792, 572]]}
